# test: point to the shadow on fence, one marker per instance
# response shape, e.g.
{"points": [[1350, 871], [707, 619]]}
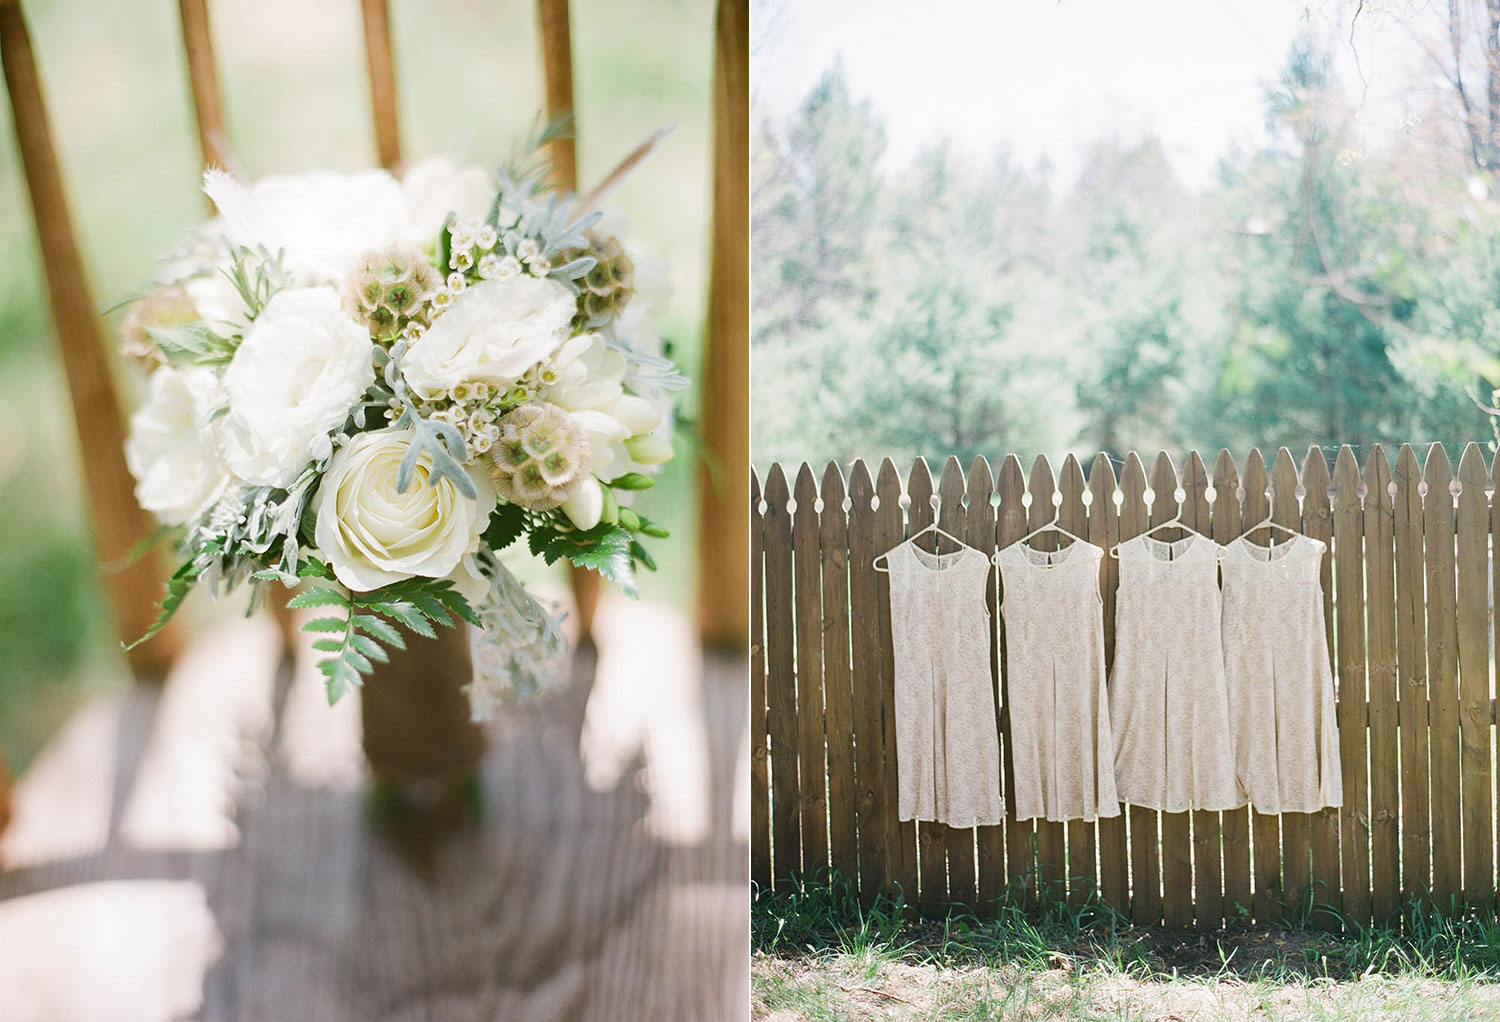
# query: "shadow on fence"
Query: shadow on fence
{"points": [[1408, 591]]}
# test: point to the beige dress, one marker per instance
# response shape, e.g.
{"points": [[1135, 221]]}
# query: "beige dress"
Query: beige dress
{"points": [[1168, 699], [1061, 751], [947, 739], [1280, 678]]}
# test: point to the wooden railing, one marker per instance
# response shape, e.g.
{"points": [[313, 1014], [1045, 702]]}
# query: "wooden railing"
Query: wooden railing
{"points": [[1409, 592]]}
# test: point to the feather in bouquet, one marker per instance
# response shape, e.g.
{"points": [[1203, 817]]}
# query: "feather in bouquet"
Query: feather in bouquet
{"points": [[370, 387]]}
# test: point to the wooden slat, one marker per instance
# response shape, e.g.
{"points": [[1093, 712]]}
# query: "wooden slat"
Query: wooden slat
{"points": [[930, 838], [1474, 679], [724, 416], [1296, 839], [1235, 823], [1083, 873], [1050, 866], [812, 778], [1208, 885], [1020, 856], [1411, 653], [1176, 828], [1104, 530], [781, 685], [1348, 556], [557, 71], [4, 792], [132, 586], [1317, 522], [838, 699], [760, 787], [979, 532], [1380, 597], [1145, 843], [869, 741], [959, 842], [203, 79], [900, 838], [1265, 830], [382, 69], [1442, 679]]}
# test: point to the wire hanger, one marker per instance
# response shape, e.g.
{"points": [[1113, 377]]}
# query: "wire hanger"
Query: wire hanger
{"points": [[1053, 526], [1268, 524], [1174, 522], [932, 527]]}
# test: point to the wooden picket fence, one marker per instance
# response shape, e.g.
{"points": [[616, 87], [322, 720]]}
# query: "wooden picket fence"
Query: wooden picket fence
{"points": [[1408, 591]]}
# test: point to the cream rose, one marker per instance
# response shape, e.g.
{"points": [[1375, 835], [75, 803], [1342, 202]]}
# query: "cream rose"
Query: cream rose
{"points": [[437, 186], [172, 449], [591, 388], [373, 535], [293, 380], [494, 331]]}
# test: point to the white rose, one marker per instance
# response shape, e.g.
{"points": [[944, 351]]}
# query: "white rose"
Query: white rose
{"points": [[172, 449], [373, 535], [493, 332], [321, 220], [590, 387], [294, 379], [435, 187]]}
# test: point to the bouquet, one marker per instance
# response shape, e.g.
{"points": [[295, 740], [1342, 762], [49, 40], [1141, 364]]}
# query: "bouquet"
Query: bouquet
{"points": [[369, 387]]}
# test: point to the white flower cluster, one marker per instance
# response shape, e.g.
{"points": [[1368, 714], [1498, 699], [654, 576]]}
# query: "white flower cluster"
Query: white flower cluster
{"points": [[366, 370]]}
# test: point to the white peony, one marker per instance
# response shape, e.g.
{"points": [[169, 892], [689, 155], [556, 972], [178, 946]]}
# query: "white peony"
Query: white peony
{"points": [[322, 221], [590, 387], [373, 535], [437, 186], [492, 333], [172, 449], [299, 372]]}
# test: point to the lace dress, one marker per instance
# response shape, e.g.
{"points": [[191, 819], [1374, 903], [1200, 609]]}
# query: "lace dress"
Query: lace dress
{"points": [[947, 741], [1169, 704], [1280, 679], [1062, 753]]}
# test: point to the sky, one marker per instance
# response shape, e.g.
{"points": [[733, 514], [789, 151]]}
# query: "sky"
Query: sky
{"points": [[1043, 78]]}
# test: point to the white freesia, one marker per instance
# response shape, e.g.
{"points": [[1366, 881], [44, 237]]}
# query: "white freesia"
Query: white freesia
{"points": [[373, 534], [295, 378], [321, 221], [492, 333], [590, 387], [172, 449], [437, 186]]}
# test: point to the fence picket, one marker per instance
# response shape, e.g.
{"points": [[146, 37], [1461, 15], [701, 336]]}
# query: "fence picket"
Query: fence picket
{"points": [[1176, 828], [1265, 830], [1050, 868], [1020, 859], [959, 841], [838, 696], [900, 838], [1411, 651], [1296, 839], [870, 758], [760, 788], [1317, 522], [1104, 531], [1473, 612], [1207, 897], [1442, 678], [931, 838], [1380, 596], [979, 532], [812, 777], [1145, 865], [1348, 615], [781, 685], [1082, 875], [1234, 823]]}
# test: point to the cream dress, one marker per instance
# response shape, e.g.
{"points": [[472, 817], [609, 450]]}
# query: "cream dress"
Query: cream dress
{"points": [[1280, 679], [1061, 750], [947, 739], [1168, 699]]}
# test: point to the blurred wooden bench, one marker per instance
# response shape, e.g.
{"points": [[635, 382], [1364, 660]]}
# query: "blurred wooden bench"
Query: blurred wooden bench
{"points": [[221, 815]]}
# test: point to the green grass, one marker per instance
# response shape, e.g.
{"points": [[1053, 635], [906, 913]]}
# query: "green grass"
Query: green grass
{"points": [[820, 954]]}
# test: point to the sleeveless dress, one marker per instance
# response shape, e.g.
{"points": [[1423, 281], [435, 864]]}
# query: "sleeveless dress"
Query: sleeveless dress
{"points": [[1280, 679], [1169, 705], [1062, 752], [947, 738]]}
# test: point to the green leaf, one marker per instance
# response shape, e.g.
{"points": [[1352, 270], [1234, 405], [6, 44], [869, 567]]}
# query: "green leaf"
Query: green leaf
{"points": [[605, 548], [328, 645], [411, 617], [369, 647], [318, 596], [642, 555], [432, 608], [178, 586], [381, 629], [326, 624], [356, 659], [192, 344], [632, 481], [507, 524]]}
